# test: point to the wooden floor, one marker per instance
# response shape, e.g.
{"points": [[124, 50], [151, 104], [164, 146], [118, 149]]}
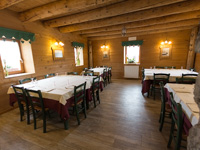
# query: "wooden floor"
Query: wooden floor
{"points": [[124, 120]]}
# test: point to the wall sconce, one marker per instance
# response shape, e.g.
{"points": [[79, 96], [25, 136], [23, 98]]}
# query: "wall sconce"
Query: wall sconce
{"points": [[60, 43], [166, 42], [104, 46]]}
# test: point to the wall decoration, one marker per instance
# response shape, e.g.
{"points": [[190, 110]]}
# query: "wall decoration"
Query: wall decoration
{"points": [[165, 50]]}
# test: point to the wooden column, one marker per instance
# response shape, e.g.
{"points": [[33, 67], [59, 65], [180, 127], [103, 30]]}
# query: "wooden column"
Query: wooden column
{"points": [[191, 52], [90, 53]]}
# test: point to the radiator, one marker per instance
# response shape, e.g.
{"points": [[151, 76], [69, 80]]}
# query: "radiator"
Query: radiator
{"points": [[131, 71]]}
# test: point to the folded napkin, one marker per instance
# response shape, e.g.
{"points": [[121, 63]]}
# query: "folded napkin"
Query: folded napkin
{"points": [[194, 107]]}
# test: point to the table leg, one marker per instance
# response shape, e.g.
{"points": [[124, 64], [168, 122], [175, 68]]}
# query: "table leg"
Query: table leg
{"points": [[66, 124]]}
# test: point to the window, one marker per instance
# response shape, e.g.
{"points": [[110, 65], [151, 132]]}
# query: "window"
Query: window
{"points": [[78, 53], [11, 57], [131, 54]]}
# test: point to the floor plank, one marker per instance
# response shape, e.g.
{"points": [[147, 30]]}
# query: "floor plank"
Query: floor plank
{"points": [[125, 119]]}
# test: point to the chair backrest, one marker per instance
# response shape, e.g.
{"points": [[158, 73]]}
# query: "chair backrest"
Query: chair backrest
{"points": [[95, 83], [26, 80], [160, 67], [79, 92], [170, 67], [84, 69], [162, 93], [72, 73], [188, 78], [143, 76], [109, 70], [105, 73], [20, 94], [177, 114], [88, 73], [49, 75], [35, 98], [157, 77]]}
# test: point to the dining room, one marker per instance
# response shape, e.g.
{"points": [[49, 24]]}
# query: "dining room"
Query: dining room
{"points": [[99, 74]]}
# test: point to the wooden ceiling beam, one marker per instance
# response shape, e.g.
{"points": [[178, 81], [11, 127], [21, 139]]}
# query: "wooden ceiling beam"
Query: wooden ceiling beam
{"points": [[108, 11], [6, 3], [141, 33], [178, 8], [62, 7], [148, 28], [148, 22]]}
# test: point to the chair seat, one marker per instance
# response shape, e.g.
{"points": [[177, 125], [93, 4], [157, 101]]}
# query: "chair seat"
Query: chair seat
{"points": [[79, 102], [40, 108]]}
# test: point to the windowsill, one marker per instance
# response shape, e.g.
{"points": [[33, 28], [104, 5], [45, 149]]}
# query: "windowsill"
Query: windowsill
{"points": [[17, 75], [132, 64], [79, 65]]}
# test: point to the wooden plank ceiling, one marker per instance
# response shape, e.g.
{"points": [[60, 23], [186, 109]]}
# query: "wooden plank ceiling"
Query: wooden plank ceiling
{"points": [[104, 19]]}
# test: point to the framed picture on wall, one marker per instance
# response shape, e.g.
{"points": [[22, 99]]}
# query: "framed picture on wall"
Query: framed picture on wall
{"points": [[106, 55], [165, 52], [57, 54]]}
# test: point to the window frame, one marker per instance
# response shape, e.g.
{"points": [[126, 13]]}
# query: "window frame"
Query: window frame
{"points": [[21, 62], [75, 57], [125, 55]]}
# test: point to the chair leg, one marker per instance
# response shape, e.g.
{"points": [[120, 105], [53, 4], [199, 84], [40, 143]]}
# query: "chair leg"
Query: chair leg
{"points": [[97, 95], [93, 96], [34, 118], [44, 122], [162, 121], [77, 115], [171, 134], [21, 110], [28, 114], [84, 109], [154, 93]]}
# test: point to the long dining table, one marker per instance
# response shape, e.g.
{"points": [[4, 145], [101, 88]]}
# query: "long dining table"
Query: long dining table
{"points": [[174, 73], [183, 94], [57, 92]]}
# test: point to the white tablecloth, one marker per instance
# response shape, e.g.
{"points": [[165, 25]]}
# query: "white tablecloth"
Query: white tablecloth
{"points": [[174, 73], [183, 94], [58, 88], [98, 70]]}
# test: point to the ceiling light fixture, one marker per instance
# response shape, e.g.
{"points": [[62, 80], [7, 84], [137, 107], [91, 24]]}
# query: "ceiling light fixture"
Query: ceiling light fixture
{"points": [[123, 31]]}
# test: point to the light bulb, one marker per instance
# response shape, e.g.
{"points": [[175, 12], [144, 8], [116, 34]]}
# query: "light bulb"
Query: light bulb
{"points": [[106, 46], [61, 43], [162, 43], [56, 43], [170, 42], [166, 42]]}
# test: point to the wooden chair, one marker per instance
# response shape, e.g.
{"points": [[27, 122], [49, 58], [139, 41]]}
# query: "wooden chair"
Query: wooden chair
{"points": [[160, 67], [22, 102], [105, 77], [187, 79], [84, 69], [176, 132], [157, 77], [49, 75], [79, 104], [95, 89], [26, 80], [72, 73], [170, 67], [88, 73], [165, 108], [37, 104], [109, 74], [143, 75]]}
